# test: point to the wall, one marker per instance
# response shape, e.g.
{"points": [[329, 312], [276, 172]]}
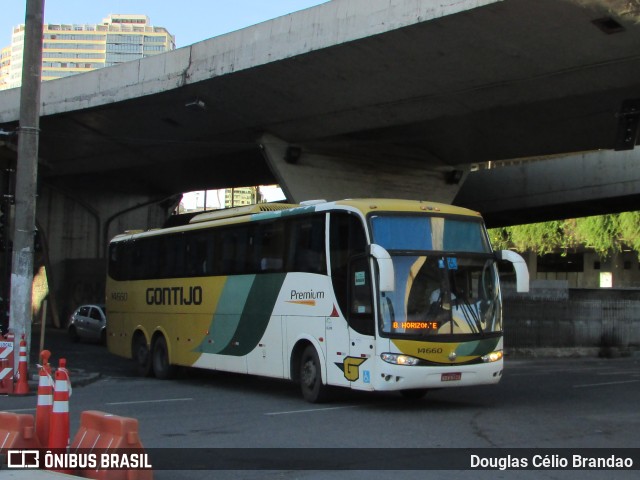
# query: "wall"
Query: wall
{"points": [[77, 227], [571, 321], [624, 267]]}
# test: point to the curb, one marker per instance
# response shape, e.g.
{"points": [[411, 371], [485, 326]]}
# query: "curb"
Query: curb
{"points": [[79, 378]]}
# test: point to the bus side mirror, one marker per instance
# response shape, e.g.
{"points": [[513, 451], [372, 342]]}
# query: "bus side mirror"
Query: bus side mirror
{"points": [[385, 267], [519, 265]]}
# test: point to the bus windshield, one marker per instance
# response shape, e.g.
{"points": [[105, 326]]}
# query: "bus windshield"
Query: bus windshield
{"points": [[442, 295], [427, 233], [446, 280]]}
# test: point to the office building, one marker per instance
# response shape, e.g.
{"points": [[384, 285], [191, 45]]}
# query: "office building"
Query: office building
{"points": [[237, 197], [72, 49], [5, 59]]}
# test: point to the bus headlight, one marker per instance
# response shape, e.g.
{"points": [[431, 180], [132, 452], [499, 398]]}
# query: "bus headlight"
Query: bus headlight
{"points": [[399, 359], [492, 357]]}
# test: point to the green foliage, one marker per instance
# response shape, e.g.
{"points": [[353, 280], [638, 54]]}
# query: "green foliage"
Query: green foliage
{"points": [[601, 233], [605, 234], [537, 237], [499, 238], [629, 226]]}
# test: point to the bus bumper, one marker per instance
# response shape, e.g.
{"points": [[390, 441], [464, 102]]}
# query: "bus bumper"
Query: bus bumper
{"points": [[402, 377]]}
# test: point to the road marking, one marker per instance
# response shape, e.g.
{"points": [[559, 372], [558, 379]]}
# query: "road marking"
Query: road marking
{"points": [[612, 373], [16, 410], [151, 401], [606, 383], [311, 410]]}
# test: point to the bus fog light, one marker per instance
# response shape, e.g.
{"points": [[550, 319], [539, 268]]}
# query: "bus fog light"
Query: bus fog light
{"points": [[399, 359], [492, 357]]}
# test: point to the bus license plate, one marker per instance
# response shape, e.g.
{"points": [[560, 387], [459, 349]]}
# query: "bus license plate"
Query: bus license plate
{"points": [[451, 377]]}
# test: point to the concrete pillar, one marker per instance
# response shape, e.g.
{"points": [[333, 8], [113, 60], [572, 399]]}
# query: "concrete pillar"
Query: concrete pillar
{"points": [[304, 173]]}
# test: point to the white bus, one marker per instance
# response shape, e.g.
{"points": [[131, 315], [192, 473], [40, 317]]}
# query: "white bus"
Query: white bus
{"points": [[368, 294]]}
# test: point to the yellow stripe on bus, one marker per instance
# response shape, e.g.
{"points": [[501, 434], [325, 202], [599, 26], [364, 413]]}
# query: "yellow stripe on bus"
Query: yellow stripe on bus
{"points": [[311, 303]]}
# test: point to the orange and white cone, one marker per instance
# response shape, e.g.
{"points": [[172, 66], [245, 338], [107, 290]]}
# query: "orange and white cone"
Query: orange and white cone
{"points": [[22, 385], [45, 400], [59, 425]]}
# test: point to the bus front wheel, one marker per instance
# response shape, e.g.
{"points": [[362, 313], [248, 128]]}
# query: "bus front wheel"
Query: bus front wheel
{"points": [[313, 390], [141, 355], [160, 359]]}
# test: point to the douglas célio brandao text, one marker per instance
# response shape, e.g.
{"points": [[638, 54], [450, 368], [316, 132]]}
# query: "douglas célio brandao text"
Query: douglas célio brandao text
{"points": [[550, 461]]}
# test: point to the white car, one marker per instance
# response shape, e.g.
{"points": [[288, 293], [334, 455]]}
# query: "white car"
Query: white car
{"points": [[88, 322]]}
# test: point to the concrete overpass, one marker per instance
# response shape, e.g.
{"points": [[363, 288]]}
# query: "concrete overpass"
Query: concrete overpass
{"points": [[350, 98], [566, 186]]}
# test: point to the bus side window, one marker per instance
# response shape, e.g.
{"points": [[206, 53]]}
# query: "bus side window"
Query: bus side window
{"points": [[197, 263], [236, 251], [137, 265], [307, 250], [126, 260], [115, 263], [269, 247], [173, 249], [228, 252]]}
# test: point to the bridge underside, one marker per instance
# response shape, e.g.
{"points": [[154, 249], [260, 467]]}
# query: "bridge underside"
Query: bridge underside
{"points": [[370, 85]]}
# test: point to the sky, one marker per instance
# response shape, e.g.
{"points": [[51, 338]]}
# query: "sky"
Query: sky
{"points": [[215, 198], [189, 20]]}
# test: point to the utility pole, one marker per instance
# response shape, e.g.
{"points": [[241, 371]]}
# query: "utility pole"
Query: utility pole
{"points": [[26, 177]]}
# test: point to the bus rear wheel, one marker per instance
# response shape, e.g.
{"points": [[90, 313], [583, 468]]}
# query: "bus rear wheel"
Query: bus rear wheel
{"points": [[162, 369], [141, 355], [313, 390]]}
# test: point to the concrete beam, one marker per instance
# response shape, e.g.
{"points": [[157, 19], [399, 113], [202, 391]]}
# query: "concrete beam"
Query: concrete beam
{"points": [[306, 174], [578, 185], [316, 28]]}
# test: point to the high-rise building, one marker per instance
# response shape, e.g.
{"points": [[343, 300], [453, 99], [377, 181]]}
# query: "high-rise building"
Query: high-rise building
{"points": [[237, 197], [5, 61], [72, 49]]}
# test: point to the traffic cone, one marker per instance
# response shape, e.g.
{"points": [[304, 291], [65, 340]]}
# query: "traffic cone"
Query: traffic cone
{"points": [[59, 424], [45, 399], [22, 386]]}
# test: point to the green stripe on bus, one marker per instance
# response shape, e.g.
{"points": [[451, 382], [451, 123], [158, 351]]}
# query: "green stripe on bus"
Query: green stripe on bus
{"points": [[256, 314], [228, 314], [477, 348]]}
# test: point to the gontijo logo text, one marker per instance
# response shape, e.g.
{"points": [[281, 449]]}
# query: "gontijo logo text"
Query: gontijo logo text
{"points": [[174, 296]]}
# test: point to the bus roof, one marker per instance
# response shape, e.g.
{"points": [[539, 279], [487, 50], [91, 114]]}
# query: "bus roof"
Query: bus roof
{"points": [[264, 211], [241, 211], [368, 205]]}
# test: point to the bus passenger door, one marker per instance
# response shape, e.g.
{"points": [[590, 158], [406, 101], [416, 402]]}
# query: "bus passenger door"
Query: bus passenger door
{"points": [[351, 278], [361, 324]]}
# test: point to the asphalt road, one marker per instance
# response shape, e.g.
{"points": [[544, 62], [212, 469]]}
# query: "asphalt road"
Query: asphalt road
{"points": [[540, 404]]}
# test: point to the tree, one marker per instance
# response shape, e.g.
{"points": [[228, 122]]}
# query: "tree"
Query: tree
{"points": [[605, 234]]}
